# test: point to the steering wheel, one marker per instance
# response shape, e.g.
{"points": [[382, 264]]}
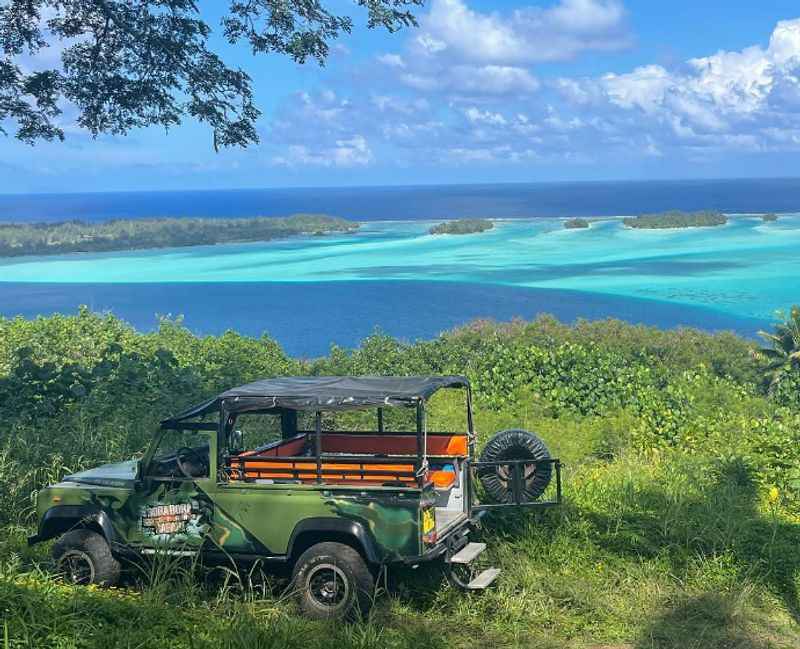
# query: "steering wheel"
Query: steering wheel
{"points": [[185, 454]]}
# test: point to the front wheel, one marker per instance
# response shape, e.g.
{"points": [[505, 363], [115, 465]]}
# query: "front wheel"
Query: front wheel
{"points": [[332, 581], [83, 557]]}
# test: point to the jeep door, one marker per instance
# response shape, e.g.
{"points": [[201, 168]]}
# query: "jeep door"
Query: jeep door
{"points": [[171, 507]]}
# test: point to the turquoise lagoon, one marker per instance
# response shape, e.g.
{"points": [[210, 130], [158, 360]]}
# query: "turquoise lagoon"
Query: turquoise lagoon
{"points": [[311, 291], [747, 268]]}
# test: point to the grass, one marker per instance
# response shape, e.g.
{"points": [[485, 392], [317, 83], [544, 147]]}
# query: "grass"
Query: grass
{"points": [[679, 529], [649, 551]]}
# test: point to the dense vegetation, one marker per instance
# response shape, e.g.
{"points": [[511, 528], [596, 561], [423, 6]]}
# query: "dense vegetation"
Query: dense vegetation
{"points": [[680, 528], [576, 224], [128, 234], [462, 226], [676, 219], [769, 218]]}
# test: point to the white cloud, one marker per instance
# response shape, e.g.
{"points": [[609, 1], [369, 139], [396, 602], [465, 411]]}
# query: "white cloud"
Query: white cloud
{"points": [[467, 155], [784, 44], [354, 152], [588, 15], [527, 35], [476, 115], [491, 79], [430, 45], [730, 99], [408, 133], [392, 60], [400, 105], [461, 50], [474, 80], [494, 111], [644, 88], [422, 82], [558, 123]]}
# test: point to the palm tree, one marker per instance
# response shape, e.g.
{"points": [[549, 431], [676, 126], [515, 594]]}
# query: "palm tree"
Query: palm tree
{"points": [[783, 354]]}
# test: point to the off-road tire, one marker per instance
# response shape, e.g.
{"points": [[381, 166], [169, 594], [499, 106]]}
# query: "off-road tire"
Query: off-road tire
{"points": [[83, 557], [514, 444], [337, 572]]}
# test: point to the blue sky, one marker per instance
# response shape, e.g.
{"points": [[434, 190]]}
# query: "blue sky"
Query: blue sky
{"points": [[485, 92]]}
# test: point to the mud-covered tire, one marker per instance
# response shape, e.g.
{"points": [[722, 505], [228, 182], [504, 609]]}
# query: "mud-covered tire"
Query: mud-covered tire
{"points": [[332, 581], [515, 444], [83, 557]]}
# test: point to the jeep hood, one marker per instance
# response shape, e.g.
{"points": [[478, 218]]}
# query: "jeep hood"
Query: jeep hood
{"points": [[118, 474]]}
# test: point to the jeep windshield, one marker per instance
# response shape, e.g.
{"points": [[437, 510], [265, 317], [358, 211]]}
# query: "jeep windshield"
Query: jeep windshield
{"points": [[181, 453]]}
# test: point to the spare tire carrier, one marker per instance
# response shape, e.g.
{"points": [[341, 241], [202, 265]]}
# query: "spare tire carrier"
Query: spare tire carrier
{"points": [[516, 469]]}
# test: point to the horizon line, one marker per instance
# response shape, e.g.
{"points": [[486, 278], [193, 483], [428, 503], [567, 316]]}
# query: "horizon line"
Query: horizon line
{"points": [[405, 186]]}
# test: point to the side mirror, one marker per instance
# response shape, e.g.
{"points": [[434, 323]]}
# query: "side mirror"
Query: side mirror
{"points": [[236, 441]]}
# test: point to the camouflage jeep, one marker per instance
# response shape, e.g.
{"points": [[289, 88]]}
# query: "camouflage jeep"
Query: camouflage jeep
{"points": [[261, 473]]}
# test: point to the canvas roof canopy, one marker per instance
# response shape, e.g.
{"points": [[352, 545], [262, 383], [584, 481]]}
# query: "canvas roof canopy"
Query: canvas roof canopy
{"points": [[311, 393]]}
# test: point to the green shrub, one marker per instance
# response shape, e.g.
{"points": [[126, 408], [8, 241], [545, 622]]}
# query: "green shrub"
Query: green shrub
{"points": [[682, 486]]}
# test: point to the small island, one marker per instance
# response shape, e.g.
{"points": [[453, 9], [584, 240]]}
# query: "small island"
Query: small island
{"points": [[462, 226], [676, 219], [576, 224], [17, 239], [769, 218]]}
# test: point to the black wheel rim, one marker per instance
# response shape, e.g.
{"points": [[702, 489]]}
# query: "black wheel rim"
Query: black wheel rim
{"points": [[77, 567], [328, 586], [503, 473]]}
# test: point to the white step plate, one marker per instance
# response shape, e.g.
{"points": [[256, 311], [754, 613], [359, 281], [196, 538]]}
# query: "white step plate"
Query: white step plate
{"points": [[468, 553], [484, 580]]}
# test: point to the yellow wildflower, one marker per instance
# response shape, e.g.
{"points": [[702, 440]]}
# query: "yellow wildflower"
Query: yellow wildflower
{"points": [[774, 494]]}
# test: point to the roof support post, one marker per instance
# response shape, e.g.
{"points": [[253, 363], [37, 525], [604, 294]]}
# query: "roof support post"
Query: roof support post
{"points": [[380, 420], [421, 434], [470, 423], [223, 417], [318, 444]]}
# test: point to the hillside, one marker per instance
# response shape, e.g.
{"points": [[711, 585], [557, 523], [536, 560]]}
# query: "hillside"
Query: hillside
{"points": [[18, 239], [682, 484]]}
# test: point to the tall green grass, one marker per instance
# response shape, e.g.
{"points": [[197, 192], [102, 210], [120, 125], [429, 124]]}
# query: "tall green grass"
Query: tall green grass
{"points": [[679, 528]]}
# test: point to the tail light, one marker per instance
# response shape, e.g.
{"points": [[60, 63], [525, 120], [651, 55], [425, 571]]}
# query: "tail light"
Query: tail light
{"points": [[429, 526]]}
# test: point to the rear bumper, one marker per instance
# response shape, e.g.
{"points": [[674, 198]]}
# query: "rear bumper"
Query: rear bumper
{"points": [[433, 553], [453, 539]]}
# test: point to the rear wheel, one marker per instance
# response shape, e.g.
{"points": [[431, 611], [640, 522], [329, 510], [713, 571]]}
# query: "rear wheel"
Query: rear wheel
{"points": [[83, 557], [332, 581]]}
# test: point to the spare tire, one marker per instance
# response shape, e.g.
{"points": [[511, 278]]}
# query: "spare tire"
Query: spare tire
{"points": [[515, 444]]}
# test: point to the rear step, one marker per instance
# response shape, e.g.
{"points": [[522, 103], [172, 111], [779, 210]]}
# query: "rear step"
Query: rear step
{"points": [[484, 580], [469, 552], [467, 555]]}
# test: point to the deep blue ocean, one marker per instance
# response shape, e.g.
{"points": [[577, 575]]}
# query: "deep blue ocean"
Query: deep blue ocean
{"points": [[309, 293], [420, 202]]}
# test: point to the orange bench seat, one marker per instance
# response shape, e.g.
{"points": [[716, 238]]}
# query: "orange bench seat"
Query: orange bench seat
{"points": [[241, 467], [307, 472]]}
